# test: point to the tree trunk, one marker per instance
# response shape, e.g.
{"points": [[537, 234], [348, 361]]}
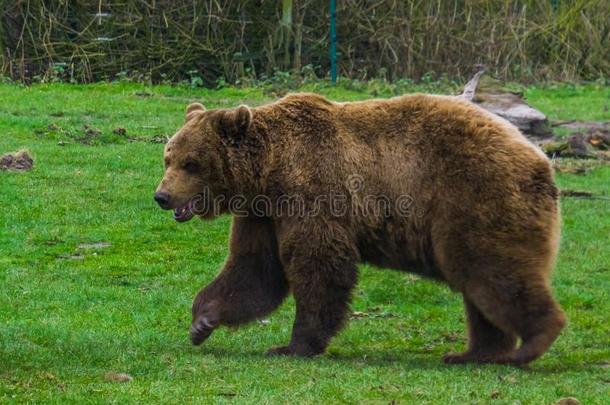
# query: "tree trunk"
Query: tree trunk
{"points": [[287, 30], [298, 34]]}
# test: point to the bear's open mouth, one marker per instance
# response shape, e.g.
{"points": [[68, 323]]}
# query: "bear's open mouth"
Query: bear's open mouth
{"points": [[183, 214], [188, 210]]}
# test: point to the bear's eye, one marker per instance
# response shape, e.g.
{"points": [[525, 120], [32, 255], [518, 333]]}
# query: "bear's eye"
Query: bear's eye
{"points": [[191, 167]]}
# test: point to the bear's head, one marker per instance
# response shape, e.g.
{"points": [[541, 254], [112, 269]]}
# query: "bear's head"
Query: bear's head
{"points": [[196, 178]]}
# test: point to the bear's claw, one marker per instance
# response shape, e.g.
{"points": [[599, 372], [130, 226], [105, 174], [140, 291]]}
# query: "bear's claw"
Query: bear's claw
{"points": [[201, 330]]}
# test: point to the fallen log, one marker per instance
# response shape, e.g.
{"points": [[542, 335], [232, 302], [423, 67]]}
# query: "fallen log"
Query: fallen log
{"points": [[492, 96]]}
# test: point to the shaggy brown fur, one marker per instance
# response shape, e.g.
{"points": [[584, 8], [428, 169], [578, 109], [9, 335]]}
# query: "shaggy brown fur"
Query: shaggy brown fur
{"points": [[483, 218]]}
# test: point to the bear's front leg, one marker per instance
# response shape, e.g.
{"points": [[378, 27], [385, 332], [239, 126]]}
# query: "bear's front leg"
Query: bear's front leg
{"points": [[251, 285], [320, 263]]}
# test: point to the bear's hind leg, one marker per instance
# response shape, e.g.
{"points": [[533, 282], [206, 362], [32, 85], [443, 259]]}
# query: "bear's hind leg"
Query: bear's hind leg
{"points": [[486, 342], [538, 326], [527, 308]]}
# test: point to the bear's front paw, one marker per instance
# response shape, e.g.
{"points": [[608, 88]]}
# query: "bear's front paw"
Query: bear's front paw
{"points": [[201, 329]]}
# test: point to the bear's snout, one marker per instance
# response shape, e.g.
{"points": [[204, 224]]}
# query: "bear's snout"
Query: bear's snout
{"points": [[162, 199]]}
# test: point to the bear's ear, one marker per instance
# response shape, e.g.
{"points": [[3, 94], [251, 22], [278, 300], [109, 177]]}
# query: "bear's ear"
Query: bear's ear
{"points": [[233, 124], [193, 110]]}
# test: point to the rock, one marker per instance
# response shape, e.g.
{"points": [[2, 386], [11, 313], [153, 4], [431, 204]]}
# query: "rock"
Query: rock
{"points": [[17, 161]]}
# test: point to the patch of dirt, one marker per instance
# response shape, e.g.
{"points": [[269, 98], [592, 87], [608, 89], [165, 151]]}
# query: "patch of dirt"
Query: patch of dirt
{"points": [[372, 313], [76, 256], [89, 134], [161, 139], [118, 377], [85, 250], [85, 135], [96, 245], [20, 161]]}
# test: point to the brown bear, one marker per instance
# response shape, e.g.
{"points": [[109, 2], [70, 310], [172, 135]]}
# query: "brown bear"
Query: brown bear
{"points": [[458, 195]]}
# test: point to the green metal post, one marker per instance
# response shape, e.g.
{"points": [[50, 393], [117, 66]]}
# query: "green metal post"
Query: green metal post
{"points": [[333, 41], [554, 4]]}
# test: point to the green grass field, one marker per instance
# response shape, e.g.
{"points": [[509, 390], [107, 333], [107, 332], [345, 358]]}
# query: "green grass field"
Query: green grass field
{"points": [[71, 311]]}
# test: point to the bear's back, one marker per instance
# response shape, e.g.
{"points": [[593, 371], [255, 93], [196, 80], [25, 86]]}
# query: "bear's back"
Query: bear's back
{"points": [[404, 120], [423, 144]]}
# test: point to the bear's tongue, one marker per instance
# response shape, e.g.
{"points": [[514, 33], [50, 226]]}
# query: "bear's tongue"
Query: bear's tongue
{"points": [[183, 213]]}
